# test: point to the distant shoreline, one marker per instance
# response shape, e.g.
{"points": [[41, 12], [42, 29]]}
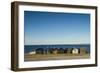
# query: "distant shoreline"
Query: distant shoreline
{"points": [[29, 48]]}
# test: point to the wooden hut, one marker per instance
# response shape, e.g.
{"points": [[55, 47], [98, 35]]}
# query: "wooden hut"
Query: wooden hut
{"points": [[39, 51], [60, 51], [75, 51], [32, 52], [65, 50], [47, 51], [82, 51], [51, 50], [55, 50], [69, 51]]}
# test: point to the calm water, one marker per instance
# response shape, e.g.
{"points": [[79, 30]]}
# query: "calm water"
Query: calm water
{"points": [[28, 48]]}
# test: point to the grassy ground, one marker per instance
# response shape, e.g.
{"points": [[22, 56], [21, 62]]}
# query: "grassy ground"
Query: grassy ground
{"points": [[42, 57]]}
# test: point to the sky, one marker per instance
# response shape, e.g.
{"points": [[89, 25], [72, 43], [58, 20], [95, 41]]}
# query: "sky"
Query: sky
{"points": [[56, 28]]}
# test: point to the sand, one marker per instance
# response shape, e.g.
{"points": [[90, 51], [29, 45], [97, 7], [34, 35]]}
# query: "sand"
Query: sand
{"points": [[43, 57]]}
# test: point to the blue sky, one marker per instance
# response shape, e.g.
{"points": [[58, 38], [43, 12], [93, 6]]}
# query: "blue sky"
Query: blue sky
{"points": [[56, 28]]}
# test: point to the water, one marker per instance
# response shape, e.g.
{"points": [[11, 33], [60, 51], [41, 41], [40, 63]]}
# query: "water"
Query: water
{"points": [[28, 48]]}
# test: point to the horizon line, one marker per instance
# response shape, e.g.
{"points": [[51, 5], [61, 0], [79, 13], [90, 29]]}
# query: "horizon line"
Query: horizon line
{"points": [[60, 44]]}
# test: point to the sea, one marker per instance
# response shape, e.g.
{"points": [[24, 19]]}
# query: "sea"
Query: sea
{"points": [[29, 48]]}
